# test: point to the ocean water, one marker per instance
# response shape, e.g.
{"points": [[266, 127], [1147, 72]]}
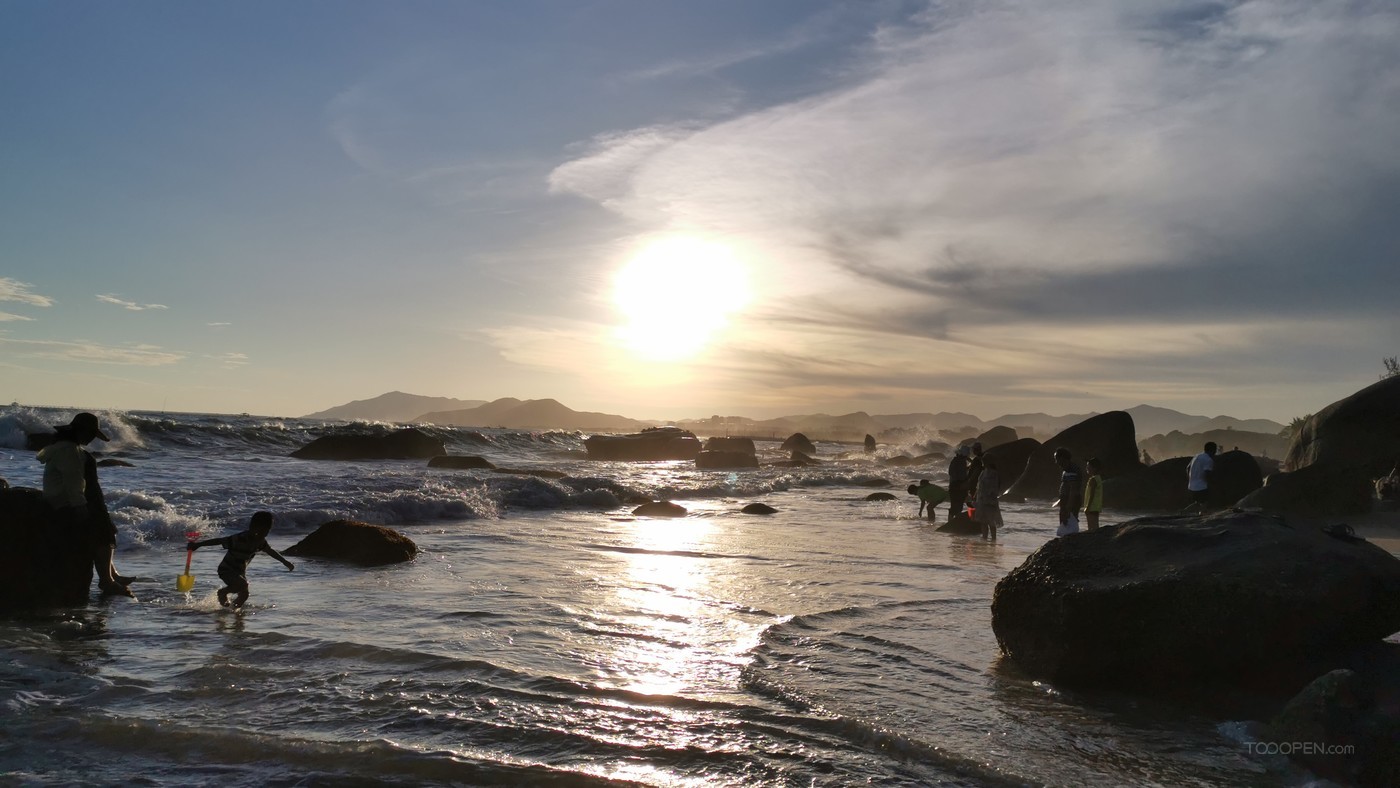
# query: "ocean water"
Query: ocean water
{"points": [[545, 636]]}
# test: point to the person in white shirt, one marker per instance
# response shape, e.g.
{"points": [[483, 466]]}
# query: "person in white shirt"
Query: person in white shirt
{"points": [[71, 488], [1198, 475]]}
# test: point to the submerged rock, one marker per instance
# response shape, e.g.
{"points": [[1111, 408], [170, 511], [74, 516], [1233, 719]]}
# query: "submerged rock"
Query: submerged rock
{"points": [[43, 563], [1230, 597], [800, 443], [405, 444], [881, 496], [357, 543], [660, 509], [1345, 725], [758, 508], [710, 460], [651, 444], [961, 525]]}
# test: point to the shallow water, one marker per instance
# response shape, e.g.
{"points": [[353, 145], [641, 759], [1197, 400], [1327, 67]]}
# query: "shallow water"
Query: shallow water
{"points": [[546, 636]]}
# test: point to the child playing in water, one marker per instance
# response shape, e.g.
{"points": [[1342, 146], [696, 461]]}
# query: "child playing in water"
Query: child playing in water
{"points": [[930, 495], [1093, 493], [241, 548]]}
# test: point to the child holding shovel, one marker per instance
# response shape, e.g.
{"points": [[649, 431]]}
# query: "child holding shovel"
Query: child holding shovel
{"points": [[241, 548]]}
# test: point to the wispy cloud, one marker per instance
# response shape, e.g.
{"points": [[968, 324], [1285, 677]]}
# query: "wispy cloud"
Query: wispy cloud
{"points": [[231, 359], [220, 323], [94, 352], [108, 298], [6, 316], [14, 290]]}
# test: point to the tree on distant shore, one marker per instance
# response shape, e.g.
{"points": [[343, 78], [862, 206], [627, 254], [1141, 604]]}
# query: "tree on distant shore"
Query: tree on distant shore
{"points": [[1296, 424], [1392, 367]]}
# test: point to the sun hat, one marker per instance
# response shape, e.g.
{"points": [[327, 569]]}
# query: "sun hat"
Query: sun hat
{"points": [[84, 421]]}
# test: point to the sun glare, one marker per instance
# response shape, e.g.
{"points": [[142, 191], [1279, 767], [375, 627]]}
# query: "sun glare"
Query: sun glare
{"points": [[676, 294]]}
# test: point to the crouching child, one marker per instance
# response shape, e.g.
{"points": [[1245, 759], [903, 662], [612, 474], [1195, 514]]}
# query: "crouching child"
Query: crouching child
{"points": [[241, 548]]}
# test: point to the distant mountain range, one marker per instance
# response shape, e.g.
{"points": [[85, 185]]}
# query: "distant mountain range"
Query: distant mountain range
{"points": [[395, 406], [512, 413]]}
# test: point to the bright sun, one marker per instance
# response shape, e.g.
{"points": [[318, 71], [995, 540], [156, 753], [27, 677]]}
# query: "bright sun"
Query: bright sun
{"points": [[675, 294]]}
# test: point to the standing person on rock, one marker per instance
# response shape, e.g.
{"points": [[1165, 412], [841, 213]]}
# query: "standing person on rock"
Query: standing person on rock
{"points": [[1198, 477], [71, 488], [1071, 493], [957, 482]]}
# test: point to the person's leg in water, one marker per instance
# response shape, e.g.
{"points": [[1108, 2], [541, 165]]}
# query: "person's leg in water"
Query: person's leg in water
{"points": [[233, 580]]}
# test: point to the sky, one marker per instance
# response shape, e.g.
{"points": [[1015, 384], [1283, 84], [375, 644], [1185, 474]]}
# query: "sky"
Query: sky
{"points": [[676, 209]]}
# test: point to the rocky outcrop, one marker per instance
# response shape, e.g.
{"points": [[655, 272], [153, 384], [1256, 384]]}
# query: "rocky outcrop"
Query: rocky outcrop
{"points": [[652, 444], [712, 460], [996, 436], [1161, 487], [44, 564], [881, 496], [1336, 454], [1011, 458], [961, 525], [406, 444], [799, 442], [357, 543], [758, 508], [1232, 597], [727, 453], [660, 509], [1108, 436], [461, 462], [1344, 726]]}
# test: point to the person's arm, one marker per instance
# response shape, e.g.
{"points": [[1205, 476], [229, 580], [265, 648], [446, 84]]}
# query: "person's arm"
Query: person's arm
{"points": [[205, 543], [267, 548]]}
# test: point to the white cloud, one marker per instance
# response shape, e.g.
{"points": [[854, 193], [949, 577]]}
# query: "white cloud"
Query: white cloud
{"points": [[218, 324], [108, 298], [231, 359], [14, 290], [93, 352], [6, 316]]}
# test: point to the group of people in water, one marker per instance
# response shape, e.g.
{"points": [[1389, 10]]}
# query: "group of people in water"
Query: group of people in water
{"points": [[72, 489], [973, 480]]}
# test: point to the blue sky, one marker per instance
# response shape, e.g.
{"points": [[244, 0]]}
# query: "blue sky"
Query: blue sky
{"points": [[889, 206]]}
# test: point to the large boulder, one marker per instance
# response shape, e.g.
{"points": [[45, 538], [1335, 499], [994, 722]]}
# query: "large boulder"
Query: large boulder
{"points": [[996, 436], [651, 444], [660, 509], [744, 445], [1161, 487], [405, 444], [1157, 601], [1336, 454], [799, 442], [1108, 436], [710, 460], [43, 564], [1344, 726], [357, 543], [1011, 458], [962, 525]]}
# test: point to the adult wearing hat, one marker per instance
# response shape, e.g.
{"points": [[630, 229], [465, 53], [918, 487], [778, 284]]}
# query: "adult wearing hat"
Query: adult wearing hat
{"points": [[71, 488]]}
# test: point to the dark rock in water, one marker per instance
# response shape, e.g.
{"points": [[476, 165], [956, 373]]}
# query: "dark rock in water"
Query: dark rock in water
{"points": [[44, 564], [881, 496], [542, 473], [1341, 728], [1162, 486], [357, 543], [652, 444], [709, 460], [1011, 458], [1108, 436], [870, 444], [1232, 597], [406, 444], [114, 463], [744, 445], [871, 483], [758, 508], [1336, 454], [800, 459], [660, 509], [799, 442], [461, 462], [962, 525], [996, 436], [899, 461]]}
